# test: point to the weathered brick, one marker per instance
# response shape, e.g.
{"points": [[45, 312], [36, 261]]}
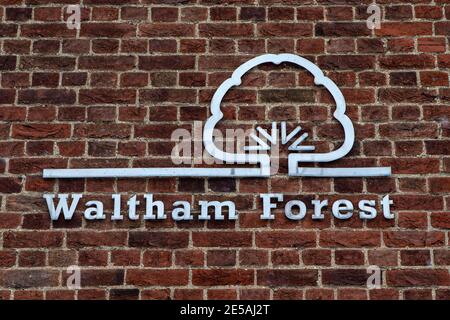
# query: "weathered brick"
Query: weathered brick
{"points": [[41, 131], [121, 63], [42, 96], [217, 277], [46, 30], [100, 96], [412, 277], [222, 239], [284, 29], [166, 30], [146, 277], [396, 29], [93, 239], [158, 239], [341, 29], [285, 239], [166, 62], [287, 278], [23, 279], [7, 63], [346, 62], [31, 239], [107, 30], [345, 277], [355, 239], [413, 239]]}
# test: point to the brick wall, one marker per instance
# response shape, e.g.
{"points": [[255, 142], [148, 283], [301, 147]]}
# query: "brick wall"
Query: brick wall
{"points": [[111, 93]]}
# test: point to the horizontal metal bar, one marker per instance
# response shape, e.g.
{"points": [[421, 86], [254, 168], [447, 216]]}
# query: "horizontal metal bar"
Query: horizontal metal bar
{"points": [[342, 172], [152, 172], [211, 172]]}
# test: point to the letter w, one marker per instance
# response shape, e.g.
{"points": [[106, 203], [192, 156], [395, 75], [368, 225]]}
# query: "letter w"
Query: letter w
{"points": [[62, 205]]}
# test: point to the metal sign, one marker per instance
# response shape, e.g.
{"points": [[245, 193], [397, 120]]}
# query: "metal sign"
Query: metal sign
{"points": [[263, 160]]}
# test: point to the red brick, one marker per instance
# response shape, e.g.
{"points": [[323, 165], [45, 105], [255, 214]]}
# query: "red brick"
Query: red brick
{"points": [[349, 257], [222, 258], [444, 60], [217, 277], [442, 28], [346, 62], [417, 202], [284, 30], [166, 62], [7, 258], [428, 11], [400, 45], [102, 277], [319, 294], [133, 13], [440, 220], [158, 239], [223, 13], [10, 185], [281, 13], [47, 30], [93, 258], [41, 131], [32, 259], [412, 165], [413, 239], [415, 257], [341, 29], [396, 29], [7, 63], [310, 13], [287, 277], [423, 277], [351, 294], [434, 78], [110, 30], [100, 96], [408, 130], [398, 12], [441, 257], [31, 239], [145, 277], [167, 95], [345, 277], [189, 258], [407, 61], [321, 257], [383, 257], [155, 259], [23, 279], [285, 239], [355, 239], [439, 185], [74, 79], [107, 63], [431, 44], [383, 294], [93, 238], [166, 30], [47, 13], [222, 239], [8, 149], [18, 14], [51, 96], [417, 294]]}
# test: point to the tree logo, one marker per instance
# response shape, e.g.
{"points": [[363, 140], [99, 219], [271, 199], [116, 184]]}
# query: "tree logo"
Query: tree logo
{"points": [[299, 153]]}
